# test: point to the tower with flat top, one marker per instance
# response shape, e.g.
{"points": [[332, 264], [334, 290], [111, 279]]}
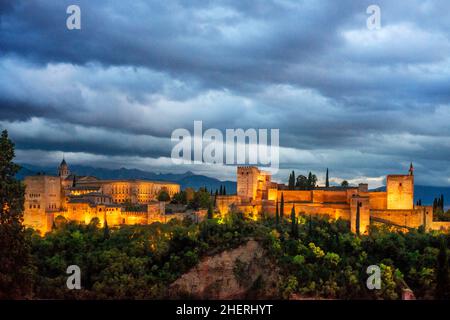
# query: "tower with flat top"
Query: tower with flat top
{"points": [[400, 191]]}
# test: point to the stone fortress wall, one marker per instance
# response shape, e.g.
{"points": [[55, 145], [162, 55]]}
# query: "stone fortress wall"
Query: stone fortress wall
{"points": [[84, 198], [257, 195]]}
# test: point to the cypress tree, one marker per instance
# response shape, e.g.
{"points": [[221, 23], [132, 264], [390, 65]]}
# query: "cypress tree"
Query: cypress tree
{"points": [[277, 216], [221, 190], [358, 218], [291, 183], [442, 202], [16, 271], [293, 222], [210, 212], [310, 180], [106, 232], [310, 225], [282, 206], [224, 191], [327, 181]]}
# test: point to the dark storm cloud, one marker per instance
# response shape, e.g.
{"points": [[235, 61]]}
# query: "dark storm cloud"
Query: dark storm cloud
{"points": [[362, 101]]}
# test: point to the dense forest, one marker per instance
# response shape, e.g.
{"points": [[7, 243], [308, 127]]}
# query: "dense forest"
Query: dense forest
{"points": [[318, 258]]}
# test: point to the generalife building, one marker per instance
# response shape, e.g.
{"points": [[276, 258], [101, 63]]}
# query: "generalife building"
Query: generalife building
{"points": [[82, 198], [258, 195]]}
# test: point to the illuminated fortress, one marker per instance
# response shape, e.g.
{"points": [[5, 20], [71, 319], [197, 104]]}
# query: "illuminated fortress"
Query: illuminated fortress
{"points": [[257, 195], [81, 198]]}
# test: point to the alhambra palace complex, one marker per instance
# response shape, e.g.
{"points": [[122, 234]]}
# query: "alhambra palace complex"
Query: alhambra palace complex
{"points": [[82, 198]]}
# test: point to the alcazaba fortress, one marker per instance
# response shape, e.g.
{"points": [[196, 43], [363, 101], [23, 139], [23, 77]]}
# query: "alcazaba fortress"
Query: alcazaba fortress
{"points": [[81, 198]]}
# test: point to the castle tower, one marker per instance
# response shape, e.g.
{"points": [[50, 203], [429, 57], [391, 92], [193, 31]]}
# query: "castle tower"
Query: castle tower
{"points": [[63, 169], [252, 183], [359, 214], [400, 191]]}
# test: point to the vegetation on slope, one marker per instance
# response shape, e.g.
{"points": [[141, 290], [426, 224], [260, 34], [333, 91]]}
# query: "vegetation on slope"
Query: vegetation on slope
{"points": [[318, 258]]}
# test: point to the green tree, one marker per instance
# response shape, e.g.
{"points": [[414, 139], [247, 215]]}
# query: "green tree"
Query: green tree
{"points": [[16, 271], [327, 181], [215, 198], [291, 183], [106, 231], [179, 198], [344, 183], [282, 206], [442, 273], [201, 199], [358, 217], [210, 211], [301, 181], [163, 195], [312, 180], [277, 215], [294, 225]]}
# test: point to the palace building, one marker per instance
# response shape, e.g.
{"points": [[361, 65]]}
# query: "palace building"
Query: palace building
{"points": [[82, 198], [257, 195]]}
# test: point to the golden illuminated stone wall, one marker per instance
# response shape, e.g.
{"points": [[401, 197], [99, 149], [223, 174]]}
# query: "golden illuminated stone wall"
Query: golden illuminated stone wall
{"points": [[378, 200], [400, 192], [333, 211], [252, 183], [134, 191], [337, 195], [84, 212], [440, 225], [42, 200], [295, 195], [360, 206], [223, 203], [411, 218]]}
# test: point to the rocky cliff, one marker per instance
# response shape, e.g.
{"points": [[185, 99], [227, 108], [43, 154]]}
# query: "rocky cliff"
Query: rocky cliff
{"points": [[241, 273]]}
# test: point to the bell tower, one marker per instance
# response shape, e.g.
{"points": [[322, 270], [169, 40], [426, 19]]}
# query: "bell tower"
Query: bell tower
{"points": [[63, 169]]}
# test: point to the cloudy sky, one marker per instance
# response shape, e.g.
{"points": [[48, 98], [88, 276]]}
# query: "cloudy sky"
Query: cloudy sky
{"points": [[361, 102]]}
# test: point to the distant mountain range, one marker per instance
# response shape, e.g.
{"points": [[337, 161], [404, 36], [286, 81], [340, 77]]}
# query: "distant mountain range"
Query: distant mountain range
{"points": [[185, 180]]}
